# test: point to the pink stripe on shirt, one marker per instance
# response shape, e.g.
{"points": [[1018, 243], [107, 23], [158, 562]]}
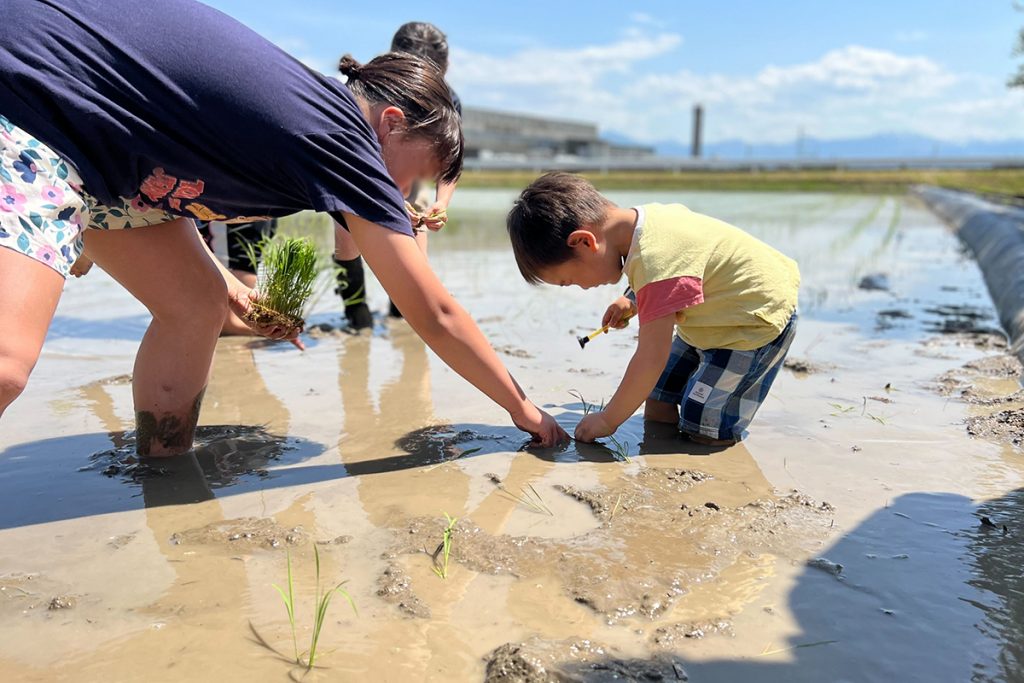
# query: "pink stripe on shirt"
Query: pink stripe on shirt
{"points": [[664, 297]]}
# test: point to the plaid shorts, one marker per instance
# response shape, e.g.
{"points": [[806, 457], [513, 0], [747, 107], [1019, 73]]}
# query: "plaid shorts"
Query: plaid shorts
{"points": [[718, 391]]}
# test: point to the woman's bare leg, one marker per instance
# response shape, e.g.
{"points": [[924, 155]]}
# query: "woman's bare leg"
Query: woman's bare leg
{"points": [[167, 268], [31, 291]]}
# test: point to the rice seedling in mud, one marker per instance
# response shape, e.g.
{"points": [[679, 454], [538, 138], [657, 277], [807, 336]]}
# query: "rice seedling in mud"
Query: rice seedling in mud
{"points": [[528, 497], [587, 407], [287, 271], [621, 450], [323, 602], [840, 409], [444, 549]]}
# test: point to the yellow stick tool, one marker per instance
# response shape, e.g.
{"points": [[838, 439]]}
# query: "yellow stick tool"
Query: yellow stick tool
{"points": [[596, 333]]}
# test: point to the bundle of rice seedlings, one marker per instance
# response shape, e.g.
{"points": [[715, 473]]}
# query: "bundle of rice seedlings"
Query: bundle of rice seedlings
{"points": [[287, 269]]}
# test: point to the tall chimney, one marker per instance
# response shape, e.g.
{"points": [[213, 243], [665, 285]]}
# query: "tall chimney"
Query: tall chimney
{"points": [[698, 125]]}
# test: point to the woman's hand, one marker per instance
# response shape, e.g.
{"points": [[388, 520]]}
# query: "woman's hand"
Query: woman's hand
{"points": [[240, 300], [618, 314], [541, 426]]}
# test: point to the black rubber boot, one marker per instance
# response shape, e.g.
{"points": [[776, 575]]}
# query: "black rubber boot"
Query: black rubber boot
{"points": [[352, 290], [393, 310]]}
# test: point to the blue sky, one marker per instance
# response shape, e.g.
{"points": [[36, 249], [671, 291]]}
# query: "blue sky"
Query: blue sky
{"points": [[763, 70]]}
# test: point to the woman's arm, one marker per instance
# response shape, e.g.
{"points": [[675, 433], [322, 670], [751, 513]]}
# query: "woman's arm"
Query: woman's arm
{"points": [[445, 326]]}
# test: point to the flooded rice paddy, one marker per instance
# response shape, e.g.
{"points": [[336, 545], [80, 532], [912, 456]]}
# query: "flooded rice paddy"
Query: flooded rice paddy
{"points": [[869, 529]]}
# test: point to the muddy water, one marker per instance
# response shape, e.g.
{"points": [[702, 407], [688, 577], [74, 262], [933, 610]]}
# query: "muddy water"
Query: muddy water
{"points": [[842, 541]]}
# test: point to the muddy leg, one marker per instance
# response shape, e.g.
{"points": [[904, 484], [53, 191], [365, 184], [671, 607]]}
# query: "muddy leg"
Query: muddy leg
{"points": [[167, 268], [30, 294]]}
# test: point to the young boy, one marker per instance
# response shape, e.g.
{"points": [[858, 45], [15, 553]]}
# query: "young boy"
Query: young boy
{"points": [[730, 299]]}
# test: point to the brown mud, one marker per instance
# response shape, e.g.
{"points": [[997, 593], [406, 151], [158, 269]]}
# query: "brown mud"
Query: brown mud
{"points": [[260, 316]]}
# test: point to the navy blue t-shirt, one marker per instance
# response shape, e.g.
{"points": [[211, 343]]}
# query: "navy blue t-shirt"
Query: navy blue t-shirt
{"points": [[181, 103]]}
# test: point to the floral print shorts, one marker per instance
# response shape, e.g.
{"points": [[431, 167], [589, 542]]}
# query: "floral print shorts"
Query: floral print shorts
{"points": [[44, 208]]}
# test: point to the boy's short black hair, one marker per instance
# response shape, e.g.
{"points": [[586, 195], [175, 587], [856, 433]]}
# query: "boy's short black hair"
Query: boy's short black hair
{"points": [[545, 214]]}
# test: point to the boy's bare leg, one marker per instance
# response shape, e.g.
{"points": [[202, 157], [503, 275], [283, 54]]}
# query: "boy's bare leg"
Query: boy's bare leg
{"points": [[31, 291], [167, 268], [708, 441], [661, 411]]}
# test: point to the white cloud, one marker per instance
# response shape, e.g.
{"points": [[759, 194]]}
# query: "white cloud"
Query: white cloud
{"points": [[540, 67], [847, 92]]}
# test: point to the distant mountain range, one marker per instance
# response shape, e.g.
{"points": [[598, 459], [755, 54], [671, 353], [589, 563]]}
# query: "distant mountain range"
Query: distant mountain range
{"points": [[886, 145]]}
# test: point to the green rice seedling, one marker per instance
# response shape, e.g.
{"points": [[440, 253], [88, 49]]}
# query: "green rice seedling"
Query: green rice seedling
{"points": [[287, 271], [323, 601], [289, 604], [529, 497], [444, 549], [621, 450], [840, 409], [587, 407]]}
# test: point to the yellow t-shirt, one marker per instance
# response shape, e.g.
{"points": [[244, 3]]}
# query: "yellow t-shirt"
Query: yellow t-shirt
{"points": [[727, 289]]}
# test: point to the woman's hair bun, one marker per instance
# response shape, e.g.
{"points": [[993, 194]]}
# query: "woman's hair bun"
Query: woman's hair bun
{"points": [[349, 67]]}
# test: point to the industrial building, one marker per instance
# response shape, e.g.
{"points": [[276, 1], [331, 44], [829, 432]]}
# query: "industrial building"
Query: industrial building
{"points": [[502, 135]]}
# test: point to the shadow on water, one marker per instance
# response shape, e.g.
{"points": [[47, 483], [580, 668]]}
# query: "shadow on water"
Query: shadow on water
{"points": [[52, 479], [127, 328], [928, 590]]}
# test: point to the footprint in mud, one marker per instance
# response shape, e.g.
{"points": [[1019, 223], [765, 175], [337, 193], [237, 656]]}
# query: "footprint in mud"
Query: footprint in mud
{"points": [[222, 456]]}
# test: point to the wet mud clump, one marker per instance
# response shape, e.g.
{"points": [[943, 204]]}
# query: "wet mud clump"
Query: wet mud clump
{"points": [[662, 532], [244, 532], [802, 366], [23, 593], [973, 384], [575, 660], [513, 351], [395, 587], [874, 282], [440, 443], [669, 636], [1004, 426]]}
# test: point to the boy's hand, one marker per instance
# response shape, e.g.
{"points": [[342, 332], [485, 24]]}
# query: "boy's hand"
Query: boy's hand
{"points": [[541, 426], [593, 426], [618, 314], [239, 301]]}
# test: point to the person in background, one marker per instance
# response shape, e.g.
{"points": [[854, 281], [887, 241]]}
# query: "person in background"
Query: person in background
{"points": [[429, 42]]}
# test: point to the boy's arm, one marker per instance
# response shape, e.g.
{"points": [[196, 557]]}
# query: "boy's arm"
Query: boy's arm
{"points": [[646, 366], [445, 326]]}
